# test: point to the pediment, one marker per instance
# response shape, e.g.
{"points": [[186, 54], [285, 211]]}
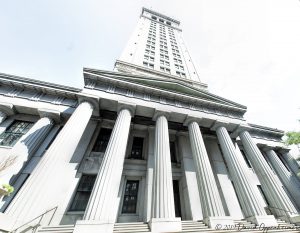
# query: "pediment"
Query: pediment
{"points": [[167, 84]]}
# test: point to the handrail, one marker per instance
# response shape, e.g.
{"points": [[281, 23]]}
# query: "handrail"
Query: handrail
{"points": [[286, 211], [40, 216]]}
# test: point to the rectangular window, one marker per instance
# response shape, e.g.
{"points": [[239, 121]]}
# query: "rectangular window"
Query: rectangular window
{"points": [[102, 140], [137, 148], [14, 132], [83, 193], [173, 152], [130, 197]]}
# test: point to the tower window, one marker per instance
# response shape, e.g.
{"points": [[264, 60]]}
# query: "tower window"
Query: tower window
{"points": [[169, 23], [153, 17], [130, 197], [102, 140], [14, 132], [83, 193]]}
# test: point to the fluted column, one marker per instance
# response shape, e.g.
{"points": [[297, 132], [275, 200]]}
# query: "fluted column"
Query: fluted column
{"points": [[54, 173], [212, 207], [28, 144], [102, 207], [2, 116], [149, 175], [253, 209], [288, 179], [292, 163], [109, 176], [163, 208], [275, 192]]}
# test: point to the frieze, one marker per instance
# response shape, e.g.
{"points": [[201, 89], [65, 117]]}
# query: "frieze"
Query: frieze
{"points": [[165, 100], [37, 96]]}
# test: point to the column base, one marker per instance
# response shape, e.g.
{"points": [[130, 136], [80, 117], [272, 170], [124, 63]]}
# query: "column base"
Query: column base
{"points": [[165, 224], [93, 226], [212, 222], [264, 220], [294, 219]]}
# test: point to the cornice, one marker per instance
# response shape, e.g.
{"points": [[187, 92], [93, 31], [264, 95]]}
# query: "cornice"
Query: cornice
{"points": [[160, 15], [46, 87], [120, 83], [267, 133]]}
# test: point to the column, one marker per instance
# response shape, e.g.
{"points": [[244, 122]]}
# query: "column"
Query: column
{"points": [[212, 207], [274, 190], [190, 187], [163, 209], [2, 116], [253, 210], [27, 145], [53, 175], [149, 175], [101, 212], [287, 178], [292, 163]]}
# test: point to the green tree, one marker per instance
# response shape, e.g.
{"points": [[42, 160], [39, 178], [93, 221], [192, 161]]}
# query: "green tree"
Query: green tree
{"points": [[293, 138]]}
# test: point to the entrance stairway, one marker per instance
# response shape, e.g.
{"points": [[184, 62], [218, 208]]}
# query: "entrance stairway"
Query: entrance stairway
{"points": [[131, 227], [187, 226]]}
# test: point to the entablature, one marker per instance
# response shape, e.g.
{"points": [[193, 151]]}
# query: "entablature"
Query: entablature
{"points": [[169, 92]]}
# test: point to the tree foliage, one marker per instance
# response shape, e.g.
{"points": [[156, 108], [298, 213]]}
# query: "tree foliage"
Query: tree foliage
{"points": [[293, 138]]}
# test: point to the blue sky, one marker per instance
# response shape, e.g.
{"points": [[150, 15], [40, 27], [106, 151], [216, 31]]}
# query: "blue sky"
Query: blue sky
{"points": [[246, 51]]}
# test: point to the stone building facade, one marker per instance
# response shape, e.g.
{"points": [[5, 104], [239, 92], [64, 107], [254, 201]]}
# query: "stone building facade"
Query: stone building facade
{"points": [[139, 144]]}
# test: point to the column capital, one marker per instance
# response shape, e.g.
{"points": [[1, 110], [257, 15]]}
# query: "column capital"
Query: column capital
{"points": [[189, 119], [283, 150], [182, 133], [151, 128], [239, 129], [219, 124], [128, 106], [159, 113], [93, 101], [51, 114], [7, 108], [266, 148]]}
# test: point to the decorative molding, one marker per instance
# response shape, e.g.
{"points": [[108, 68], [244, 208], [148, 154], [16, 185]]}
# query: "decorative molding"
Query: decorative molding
{"points": [[7, 108], [108, 81], [52, 114]]}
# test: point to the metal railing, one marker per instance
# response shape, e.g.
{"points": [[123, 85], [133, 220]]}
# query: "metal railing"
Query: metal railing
{"points": [[35, 225]]}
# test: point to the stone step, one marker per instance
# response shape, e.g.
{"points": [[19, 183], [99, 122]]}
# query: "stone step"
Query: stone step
{"points": [[131, 226], [130, 223], [193, 224], [58, 229], [131, 230], [195, 227]]}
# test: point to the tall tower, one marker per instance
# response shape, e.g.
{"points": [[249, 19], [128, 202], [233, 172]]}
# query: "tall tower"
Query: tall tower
{"points": [[156, 48]]}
